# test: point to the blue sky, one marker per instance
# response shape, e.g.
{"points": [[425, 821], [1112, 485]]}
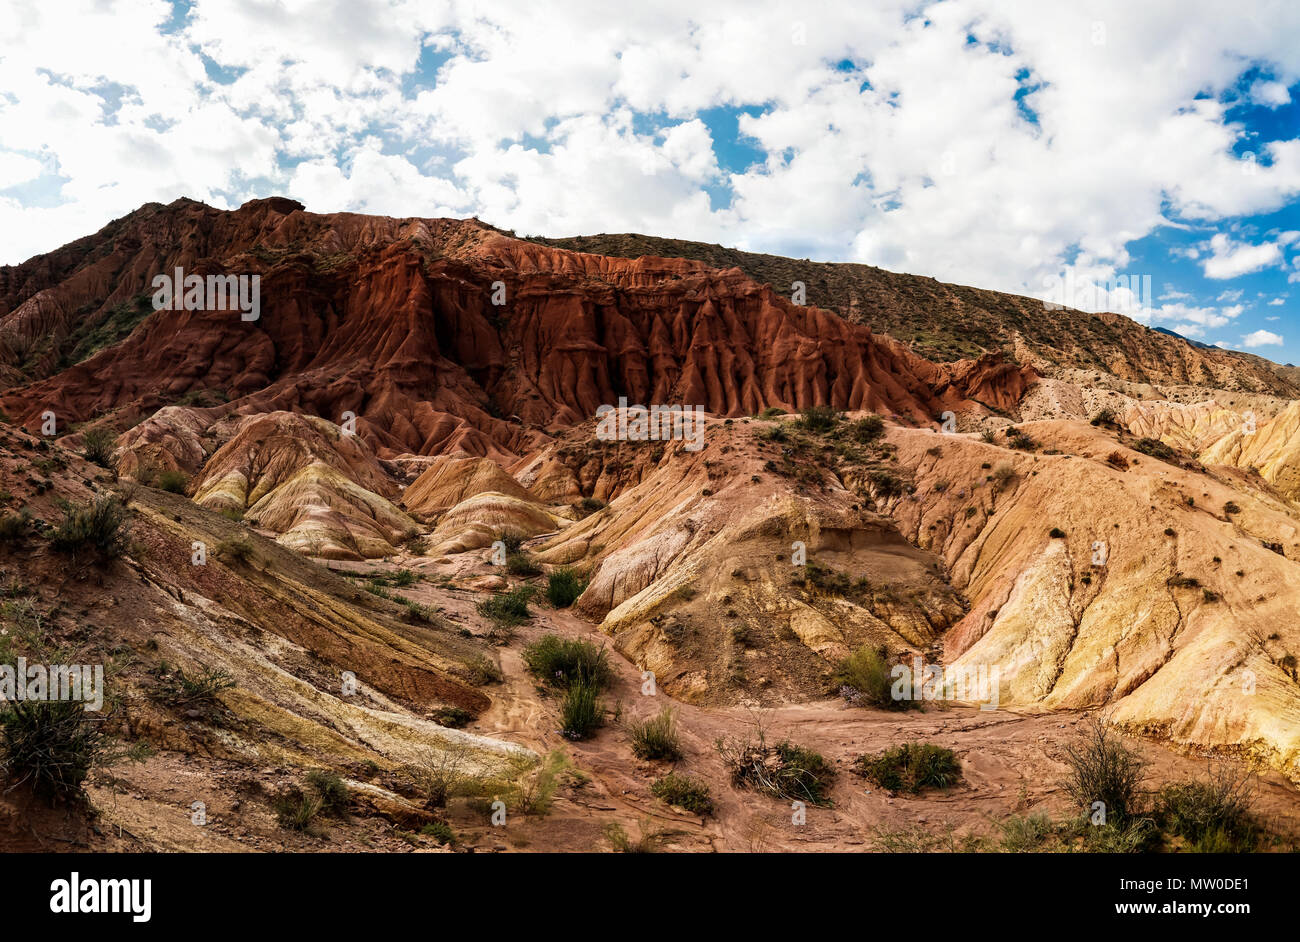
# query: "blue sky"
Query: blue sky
{"points": [[998, 143]]}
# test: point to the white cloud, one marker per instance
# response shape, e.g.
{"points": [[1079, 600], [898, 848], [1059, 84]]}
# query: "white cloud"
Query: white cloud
{"points": [[1229, 259], [1277, 302], [1269, 94], [1261, 338], [997, 162]]}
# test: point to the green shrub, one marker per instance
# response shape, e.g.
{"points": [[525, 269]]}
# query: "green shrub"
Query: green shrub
{"points": [[403, 578], [50, 745], [328, 786], [1155, 448], [97, 445], [784, 771], [14, 526], [863, 679], [174, 482], [819, 418], [202, 688], [1102, 769], [867, 430], [522, 565], [508, 609], [440, 831], [885, 483], [656, 738], [296, 810], [684, 792], [1213, 816], [563, 662], [581, 711], [101, 525], [911, 767], [563, 586], [771, 412]]}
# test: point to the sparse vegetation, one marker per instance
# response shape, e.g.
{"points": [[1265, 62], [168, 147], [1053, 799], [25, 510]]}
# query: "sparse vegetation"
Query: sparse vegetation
{"points": [[911, 767], [867, 430], [1212, 816], [172, 481], [1102, 769], [656, 738], [684, 792], [819, 419], [581, 710], [784, 771], [508, 609], [563, 586], [563, 662], [864, 679], [101, 525], [97, 445], [51, 745], [1155, 448]]}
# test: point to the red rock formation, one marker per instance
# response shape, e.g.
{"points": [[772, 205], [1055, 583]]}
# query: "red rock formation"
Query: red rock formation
{"points": [[393, 320]]}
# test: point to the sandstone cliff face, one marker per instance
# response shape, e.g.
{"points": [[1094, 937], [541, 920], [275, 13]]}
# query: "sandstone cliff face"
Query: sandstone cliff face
{"points": [[393, 321], [473, 420], [1147, 590]]}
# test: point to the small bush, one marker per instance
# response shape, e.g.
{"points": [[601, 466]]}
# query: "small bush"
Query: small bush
{"points": [[1155, 448], [911, 767], [819, 418], [482, 670], [101, 525], [50, 745], [508, 609], [329, 787], [522, 565], [563, 586], [403, 578], [1103, 769], [885, 484], [1002, 476], [296, 810], [1231, 508], [864, 679], [867, 430], [581, 711], [771, 412], [1104, 417], [174, 482], [440, 774], [684, 792], [238, 549], [1056, 533], [440, 831], [784, 771], [201, 688], [1213, 816], [15, 526], [97, 445], [563, 662], [656, 738], [591, 505], [1117, 460], [647, 843]]}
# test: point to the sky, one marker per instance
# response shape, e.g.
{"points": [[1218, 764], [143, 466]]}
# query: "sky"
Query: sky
{"points": [[1136, 157]]}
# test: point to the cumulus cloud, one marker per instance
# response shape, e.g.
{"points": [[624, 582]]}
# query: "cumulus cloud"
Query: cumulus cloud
{"points": [[970, 140], [1230, 259], [1261, 338]]}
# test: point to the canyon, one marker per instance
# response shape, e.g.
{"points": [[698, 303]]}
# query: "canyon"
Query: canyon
{"points": [[1104, 515]]}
